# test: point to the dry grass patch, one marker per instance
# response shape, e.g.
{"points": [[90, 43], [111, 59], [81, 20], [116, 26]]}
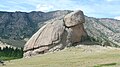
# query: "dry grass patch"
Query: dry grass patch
{"points": [[83, 56]]}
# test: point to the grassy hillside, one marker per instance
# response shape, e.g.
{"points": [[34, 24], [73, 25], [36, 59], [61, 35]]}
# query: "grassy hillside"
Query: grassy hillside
{"points": [[83, 56], [15, 43]]}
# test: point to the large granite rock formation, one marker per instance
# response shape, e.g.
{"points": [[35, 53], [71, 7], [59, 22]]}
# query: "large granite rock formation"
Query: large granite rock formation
{"points": [[15, 27], [19, 25], [57, 34]]}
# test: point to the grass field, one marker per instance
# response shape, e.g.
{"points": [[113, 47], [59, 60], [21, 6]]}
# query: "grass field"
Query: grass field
{"points": [[7, 58], [84, 56]]}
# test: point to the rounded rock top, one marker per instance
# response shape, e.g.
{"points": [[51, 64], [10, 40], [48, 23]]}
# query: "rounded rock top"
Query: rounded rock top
{"points": [[74, 18]]}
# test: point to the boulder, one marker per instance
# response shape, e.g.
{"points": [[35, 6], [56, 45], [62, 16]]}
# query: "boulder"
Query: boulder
{"points": [[74, 18], [57, 34]]}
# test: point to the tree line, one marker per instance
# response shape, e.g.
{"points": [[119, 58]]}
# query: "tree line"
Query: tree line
{"points": [[11, 52]]}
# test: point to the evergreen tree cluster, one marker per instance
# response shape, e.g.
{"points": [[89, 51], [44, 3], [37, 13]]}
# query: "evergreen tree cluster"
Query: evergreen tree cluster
{"points": [[11, 52]]}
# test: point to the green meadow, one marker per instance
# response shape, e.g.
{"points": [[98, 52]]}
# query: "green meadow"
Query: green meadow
{"points": [[72, 57]]}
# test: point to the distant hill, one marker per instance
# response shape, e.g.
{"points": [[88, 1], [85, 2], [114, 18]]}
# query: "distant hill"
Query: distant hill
{"points": [[3, 45], [17, 26], [105, 30], [20, 25]]}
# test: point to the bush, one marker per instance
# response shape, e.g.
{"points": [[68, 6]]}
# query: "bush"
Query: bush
{"points": [[9, 52]]}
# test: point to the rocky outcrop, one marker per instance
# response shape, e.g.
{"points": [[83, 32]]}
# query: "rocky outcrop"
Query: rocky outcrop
{"points": [[57, 34], [22, 25], [19, 25], [74, 18]]}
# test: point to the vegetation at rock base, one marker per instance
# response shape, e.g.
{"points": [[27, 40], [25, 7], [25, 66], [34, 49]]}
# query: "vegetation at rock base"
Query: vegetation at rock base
{"points": [[9, 53]]}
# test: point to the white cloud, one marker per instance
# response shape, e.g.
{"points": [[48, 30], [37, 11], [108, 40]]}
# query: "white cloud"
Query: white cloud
{"points": [[56, 5], [118, 18], [44, 8]]}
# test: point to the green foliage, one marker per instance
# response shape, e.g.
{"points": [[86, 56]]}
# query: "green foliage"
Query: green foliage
{"points": [[110, 64], [10, 53], [94, 39]]}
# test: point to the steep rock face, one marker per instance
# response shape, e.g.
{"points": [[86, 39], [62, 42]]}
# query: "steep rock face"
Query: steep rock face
{"points": [[57, 35]]}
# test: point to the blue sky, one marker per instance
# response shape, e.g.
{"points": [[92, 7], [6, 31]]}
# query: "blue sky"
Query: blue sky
{"points": [[92, 8]]}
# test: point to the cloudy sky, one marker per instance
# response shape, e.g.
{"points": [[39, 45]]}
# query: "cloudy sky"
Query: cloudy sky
{"points": [[93, 8]]}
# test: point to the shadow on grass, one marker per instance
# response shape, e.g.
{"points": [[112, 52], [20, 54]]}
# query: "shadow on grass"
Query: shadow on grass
{"points": [[109, 64]]}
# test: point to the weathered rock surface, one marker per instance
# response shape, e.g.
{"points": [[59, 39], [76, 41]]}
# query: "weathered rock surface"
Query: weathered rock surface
{"points": [[19, 25], [74, 18], [57, 34]]}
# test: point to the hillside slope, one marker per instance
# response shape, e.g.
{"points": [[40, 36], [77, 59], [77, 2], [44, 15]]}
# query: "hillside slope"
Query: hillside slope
{"points": [[80, 56], [17, 26], [21, 25], [104, 30]]}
